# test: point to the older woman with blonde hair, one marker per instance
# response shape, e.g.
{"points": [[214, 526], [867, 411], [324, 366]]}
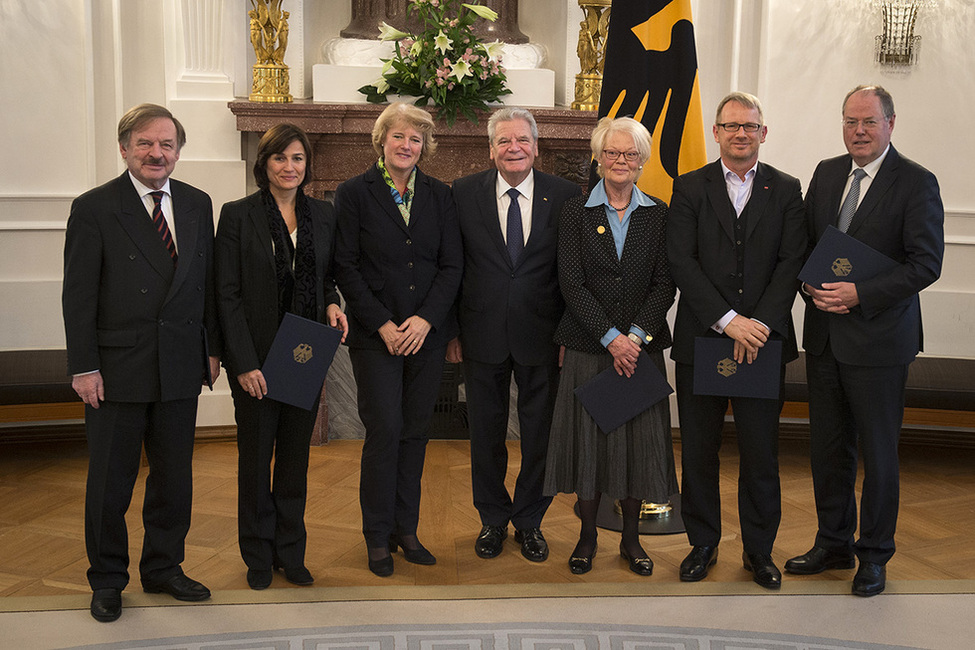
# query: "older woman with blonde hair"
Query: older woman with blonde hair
{"points": [[398, 266], [614, 277]]}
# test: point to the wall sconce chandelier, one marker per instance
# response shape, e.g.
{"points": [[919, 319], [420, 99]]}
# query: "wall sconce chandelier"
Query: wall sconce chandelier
{"points": [[898, 46]]}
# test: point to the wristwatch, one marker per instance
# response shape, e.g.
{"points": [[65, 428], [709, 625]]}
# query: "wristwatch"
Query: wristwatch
{"points": [[636, 339]]}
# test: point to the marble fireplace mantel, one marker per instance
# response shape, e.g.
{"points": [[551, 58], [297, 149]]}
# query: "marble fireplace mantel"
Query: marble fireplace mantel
{"points": [[341, 138]]}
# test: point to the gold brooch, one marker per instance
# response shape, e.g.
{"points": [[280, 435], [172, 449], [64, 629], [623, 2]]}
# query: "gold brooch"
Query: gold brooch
{"points": [[601, 229]]}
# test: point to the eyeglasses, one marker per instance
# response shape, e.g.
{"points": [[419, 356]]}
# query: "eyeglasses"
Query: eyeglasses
{"points": [[868, 123], [732, 127], [613, 154]]}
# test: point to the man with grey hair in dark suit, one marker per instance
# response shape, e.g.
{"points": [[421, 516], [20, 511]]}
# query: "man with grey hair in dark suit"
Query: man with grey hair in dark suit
{"points": [[860, 338], [509, 307], [138, 315]]}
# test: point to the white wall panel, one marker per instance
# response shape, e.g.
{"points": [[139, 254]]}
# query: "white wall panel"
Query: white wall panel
{"points": [[43, 99]]}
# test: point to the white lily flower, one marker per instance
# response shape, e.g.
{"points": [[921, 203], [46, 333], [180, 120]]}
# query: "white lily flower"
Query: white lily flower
{"points": [[460, 70], [495, 50], [381, 85], [483, 12], [390, 33], [416, 49], [441, 42]]}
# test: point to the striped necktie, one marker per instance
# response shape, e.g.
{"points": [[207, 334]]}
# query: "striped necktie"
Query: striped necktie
{"points": [[852, 198], [159, 220]]}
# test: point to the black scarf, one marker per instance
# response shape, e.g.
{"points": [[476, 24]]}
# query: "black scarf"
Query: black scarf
{"points": [[296, 276]]}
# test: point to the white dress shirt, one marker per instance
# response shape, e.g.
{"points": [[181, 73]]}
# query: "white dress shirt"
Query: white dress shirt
{"points": [[739, 191], [871, 169], [150, 203]]}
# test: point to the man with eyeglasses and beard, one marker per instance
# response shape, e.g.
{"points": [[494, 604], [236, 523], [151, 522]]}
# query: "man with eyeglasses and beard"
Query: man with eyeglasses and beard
{"points": [[735, 242]]}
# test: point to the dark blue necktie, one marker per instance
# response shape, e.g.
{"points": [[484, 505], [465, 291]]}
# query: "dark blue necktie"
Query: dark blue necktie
{"points": [[515, 237]]}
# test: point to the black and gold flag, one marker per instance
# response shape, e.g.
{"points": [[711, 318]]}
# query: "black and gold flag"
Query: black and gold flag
{"points": [[650, 74]]}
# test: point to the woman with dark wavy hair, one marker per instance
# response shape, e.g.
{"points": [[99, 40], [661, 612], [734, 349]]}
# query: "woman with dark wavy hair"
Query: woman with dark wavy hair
{"points": [[273, 255]]}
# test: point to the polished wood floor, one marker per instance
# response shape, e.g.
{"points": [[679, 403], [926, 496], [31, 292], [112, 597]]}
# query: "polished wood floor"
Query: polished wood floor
{"points": [[42, 534]]}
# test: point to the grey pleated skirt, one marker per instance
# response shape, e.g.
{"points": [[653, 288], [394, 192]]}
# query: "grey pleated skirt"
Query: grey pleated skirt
{"points": [[635, 460]]}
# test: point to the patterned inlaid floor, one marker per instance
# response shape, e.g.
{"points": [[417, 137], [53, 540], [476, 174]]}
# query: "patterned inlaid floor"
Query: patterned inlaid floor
{"points": [[500, 637]]}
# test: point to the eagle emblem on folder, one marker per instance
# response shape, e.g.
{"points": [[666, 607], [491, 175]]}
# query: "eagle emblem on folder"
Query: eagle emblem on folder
{"points": [[727, 367], [842, 267], [303, 353]]}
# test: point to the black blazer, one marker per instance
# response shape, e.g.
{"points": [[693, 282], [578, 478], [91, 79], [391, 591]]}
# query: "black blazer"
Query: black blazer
{"points": [[388, 271], [127, 311], [602, 291], [507, 310], [247, 285], [703, 255], [901, 216]]}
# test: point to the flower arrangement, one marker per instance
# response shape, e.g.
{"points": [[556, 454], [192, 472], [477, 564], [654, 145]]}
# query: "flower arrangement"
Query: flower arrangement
{"points": [[445, 63]]}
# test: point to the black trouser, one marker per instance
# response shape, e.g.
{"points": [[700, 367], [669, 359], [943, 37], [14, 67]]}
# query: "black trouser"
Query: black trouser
{"points": [[396, 396], [116, 432]]}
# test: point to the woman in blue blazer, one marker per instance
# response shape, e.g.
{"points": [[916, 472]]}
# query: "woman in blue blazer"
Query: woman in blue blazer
{"points": [[273, 255], [398, 264]]}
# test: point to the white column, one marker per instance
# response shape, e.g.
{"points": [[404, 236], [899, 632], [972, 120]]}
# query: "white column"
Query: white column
{"points": [[202, 56]]}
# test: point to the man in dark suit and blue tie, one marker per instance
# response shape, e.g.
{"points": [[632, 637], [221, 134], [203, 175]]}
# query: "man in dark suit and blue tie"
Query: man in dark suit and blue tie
{"points": [[735, 242], [860, 338], [509, 307], [138, 314]]}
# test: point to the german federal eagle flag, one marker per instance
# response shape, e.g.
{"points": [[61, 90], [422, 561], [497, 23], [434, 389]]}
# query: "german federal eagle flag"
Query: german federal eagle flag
{"points": [[650, 74]]}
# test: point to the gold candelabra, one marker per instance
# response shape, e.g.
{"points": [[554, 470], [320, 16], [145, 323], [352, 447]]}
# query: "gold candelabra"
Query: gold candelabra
{"points": [[591, 50], [269, 37]]}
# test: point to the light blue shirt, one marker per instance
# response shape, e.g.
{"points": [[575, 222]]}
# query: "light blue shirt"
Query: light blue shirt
{"points": [[619, 229]]}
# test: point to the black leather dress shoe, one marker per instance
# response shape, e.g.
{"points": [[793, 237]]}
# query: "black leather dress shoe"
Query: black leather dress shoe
{"points": [[697, 563], [298, 575], [179, 587], [817, 560], [418, 555], [579, 564], [106, 605], [870, 579], [490, 541], [533, 545], [258, 579], [764, 572], [639, 565]]}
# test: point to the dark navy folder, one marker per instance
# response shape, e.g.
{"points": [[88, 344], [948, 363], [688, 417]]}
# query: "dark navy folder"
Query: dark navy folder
{"points": [[717, 373], [298, 360], [838, 257], [613, 400]]}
